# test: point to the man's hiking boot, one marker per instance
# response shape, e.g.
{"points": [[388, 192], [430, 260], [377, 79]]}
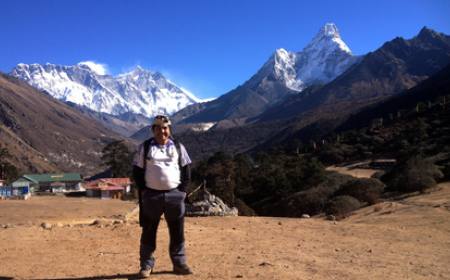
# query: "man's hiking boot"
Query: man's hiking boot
{"points": [[182, 269], [145, 273]]}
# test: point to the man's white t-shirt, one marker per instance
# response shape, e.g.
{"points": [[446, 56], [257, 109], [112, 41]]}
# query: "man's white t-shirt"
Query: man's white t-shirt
{"points": [[162, 168]]}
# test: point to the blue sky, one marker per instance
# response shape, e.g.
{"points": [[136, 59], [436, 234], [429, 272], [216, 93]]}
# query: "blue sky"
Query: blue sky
{"points": [[206, 46]]}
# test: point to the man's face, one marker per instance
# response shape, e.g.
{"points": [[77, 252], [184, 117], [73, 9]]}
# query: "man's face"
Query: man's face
{"points": [[161, 133]]}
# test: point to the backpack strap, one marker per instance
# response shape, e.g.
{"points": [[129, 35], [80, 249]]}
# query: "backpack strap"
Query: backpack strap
{"points": [[177, 146], [185, 171], [139, 174], [146, 149]]}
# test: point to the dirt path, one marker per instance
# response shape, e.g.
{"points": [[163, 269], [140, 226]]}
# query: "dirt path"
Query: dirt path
{"points": [[408, 239], [355, 172]]}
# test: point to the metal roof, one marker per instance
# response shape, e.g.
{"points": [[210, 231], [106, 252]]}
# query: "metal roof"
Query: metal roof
{"points": [[53, 177]]}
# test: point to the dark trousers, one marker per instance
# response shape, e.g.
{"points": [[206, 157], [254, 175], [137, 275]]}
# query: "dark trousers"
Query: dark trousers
{"points": [[154, 204]]}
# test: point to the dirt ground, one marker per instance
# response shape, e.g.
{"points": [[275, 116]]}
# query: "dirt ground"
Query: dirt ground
{"points": [[61, 209], [355, 172], [405, 239]]}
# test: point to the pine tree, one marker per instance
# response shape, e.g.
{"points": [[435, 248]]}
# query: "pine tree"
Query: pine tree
{"points": [[118, 158]]}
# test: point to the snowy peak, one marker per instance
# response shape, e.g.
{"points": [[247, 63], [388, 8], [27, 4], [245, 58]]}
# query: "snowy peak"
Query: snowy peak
{"points": [[99, 69], [330, 30], [283, 57], [284, 69], [328, 38], [322, 60], [138, 72], [87, 83]]}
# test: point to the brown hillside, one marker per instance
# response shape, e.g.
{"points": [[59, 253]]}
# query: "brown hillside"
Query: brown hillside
{"points": [[23, 156], [44, 134]]}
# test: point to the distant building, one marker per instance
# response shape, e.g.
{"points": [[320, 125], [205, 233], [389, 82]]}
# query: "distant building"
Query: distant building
{"points": [[15, 192], [61, 182], [30, 184], [107, 188]]}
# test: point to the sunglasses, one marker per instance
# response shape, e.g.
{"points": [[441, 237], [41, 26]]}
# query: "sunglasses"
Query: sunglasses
{"points": [[161, 120], [162, 117]]}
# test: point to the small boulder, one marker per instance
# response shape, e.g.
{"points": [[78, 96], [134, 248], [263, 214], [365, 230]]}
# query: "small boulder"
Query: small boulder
{"points": [[101, 223], [331, 218], [46, 226]]}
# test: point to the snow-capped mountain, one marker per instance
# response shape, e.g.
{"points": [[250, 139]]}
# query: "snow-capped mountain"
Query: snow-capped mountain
{"points": [[323, 59], [139, 91], [284, 74]]}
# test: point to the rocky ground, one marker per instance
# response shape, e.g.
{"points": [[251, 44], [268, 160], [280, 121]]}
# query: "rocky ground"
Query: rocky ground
{"points": [[93, 239]]}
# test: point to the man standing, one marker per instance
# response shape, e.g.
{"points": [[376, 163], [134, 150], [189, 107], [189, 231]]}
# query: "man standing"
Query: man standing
{"points": [[161, 170]]}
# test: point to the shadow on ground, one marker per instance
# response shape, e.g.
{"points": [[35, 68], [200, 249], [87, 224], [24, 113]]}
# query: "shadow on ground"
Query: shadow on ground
{"points": [[102, 277]]}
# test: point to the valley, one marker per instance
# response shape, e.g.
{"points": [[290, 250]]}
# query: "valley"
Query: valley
{"points": [[306, 151]]}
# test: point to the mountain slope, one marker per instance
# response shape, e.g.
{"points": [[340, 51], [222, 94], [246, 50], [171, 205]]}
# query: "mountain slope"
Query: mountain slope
{"points": [[59, 137], [284, 74], [322, 60], [393, 68], [428, 91], [392, 117], [396, 66], [22, 155], [139, 91]]}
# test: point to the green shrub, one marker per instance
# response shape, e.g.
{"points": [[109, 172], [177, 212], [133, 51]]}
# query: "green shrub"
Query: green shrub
{"points": [[331, 156], [341, 206], [313, 200], [364, 189], [414, 174]]}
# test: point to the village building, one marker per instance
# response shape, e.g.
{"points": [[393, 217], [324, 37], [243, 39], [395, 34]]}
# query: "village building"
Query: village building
{"points": [[15, 191], [61, 182], [108, 188]]}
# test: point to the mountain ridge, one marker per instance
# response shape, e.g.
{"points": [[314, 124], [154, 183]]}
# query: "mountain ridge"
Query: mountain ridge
{"points": [[381, 74], [283, 74], [397, 65], [139, 91]]}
